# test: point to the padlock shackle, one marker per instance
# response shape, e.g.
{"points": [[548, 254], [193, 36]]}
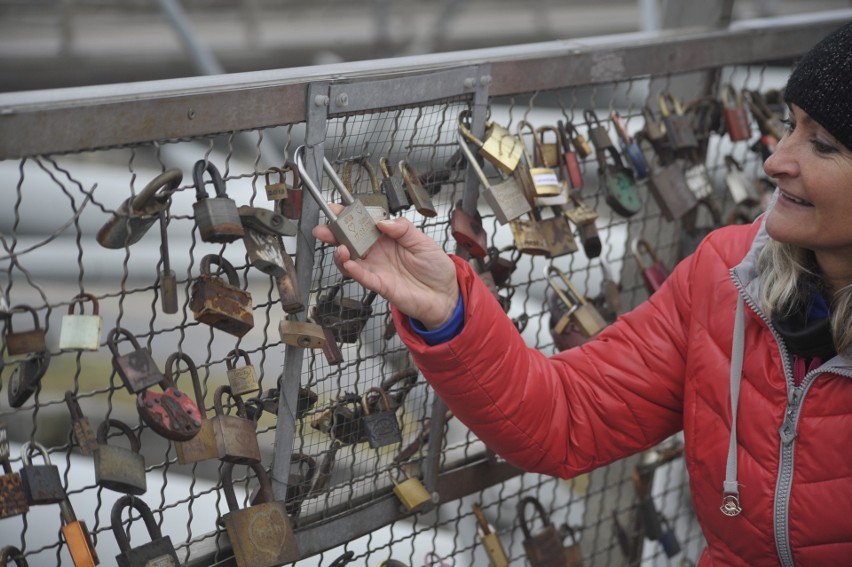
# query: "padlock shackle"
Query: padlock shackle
{"points": [[39, 448], [538, 146], [130, 501], [524, 125], [80, 298], [640, 245], [112, 340], [304, 458], [620, 127], [464, 129], [344, 559], [193, 374], [571, 303], [264, 493], [198, 170], [234, 355], [224, 265], [313, 190], [366, 166], [11, 552], [522, 508], [472, 162], [147, 202], [406, 378], [281, 174], [106, 425], [481, 520], [237, 399], [730, 97], [383, 397], [385, 167], [666, 98], [21, 308]]}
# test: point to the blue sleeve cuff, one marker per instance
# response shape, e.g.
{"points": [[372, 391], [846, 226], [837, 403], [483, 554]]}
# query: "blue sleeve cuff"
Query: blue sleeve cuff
{"points": [[443, 334]]}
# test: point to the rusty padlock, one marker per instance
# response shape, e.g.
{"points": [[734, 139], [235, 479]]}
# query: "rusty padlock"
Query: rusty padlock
{"points": [[221, 304], [25, 342], [543, 548], [13, 499], [119, 468], [291, 207], [136, 369], [170, 413], [82, 331]]}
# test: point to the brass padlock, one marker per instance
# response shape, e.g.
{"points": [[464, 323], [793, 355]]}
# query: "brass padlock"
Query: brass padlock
{"points": [[546, 186], [490, 540], [381, 426], [375, 202], [80, 426], [159, 552], [136, 369], [528, 237], [498, 146], [392, 187], [585, 218], [134, 217], [119, 468], [24, 342], [411, 492], [26, 378], [217, 219], [41, 483], [579, 311], [202, 446], [13, 500], [506, 199], [549, 153], [220, 304], [544, 548], [77, 537], [302, 334], [557, 233], [354, 227], [416, 191], [11, 553], [242, 379], [81, 331], [167, 278], [235, 435], [275, 191], [468, 232], [261, 535]]}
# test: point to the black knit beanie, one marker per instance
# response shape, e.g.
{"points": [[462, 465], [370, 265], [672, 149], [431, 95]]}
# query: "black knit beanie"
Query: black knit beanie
{"points": [[821, 84]]}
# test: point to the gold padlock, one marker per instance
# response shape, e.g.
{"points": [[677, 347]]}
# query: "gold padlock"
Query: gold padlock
{"points": [[411, 492], [583, 314], [490, 540], [302, 334], [548, 189], [499, 146], [243, 379]]}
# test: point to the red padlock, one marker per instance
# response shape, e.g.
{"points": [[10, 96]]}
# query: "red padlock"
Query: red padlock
{"points": [[468, 232], [169, 413]]}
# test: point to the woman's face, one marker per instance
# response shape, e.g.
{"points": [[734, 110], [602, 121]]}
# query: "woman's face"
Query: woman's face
{"points": [[813, 172]]}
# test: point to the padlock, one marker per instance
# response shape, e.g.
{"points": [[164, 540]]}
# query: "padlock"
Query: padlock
{"points": [[414, 188], [81, 331], [570, 336], [26, 378], [668, 186], [220, 304], [608, 300], [24, 342], [134, 217], [691, 234], [353, 227], [528, 237], [468, 232], [579, 311], [630, 147], [736, 116], [382, 426], [330, 349], [544, 548], [617, 182], [769, 122], [41, 483], [136, 369], [87, 442], [235, 435], [410, 492], [299, 483], [169, 413], [585, 218], [302, 334], [654, 131], [261, 535], [681, 135], [342, 420], [546, 186], [506, 199], [266, 221], [490, 540], [202, 446], [275, 190], [291, 207], [167, 277], [498, 146], [242, 379], [217, 219], [13, 499], [346, 317], [557, 233], [391, 185], [159, 552], [576, 140], [11, 553], [698, 180], [743, 190], [375, 202], [573, 551], [119, 468], [654, 273], [569, 162], [77, 537], [500, 267], [550, 152], [265, 252], [288, 286]]}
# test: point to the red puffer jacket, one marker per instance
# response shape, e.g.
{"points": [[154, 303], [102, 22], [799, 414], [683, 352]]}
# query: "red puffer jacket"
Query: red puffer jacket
{"points": [[664, 367]]}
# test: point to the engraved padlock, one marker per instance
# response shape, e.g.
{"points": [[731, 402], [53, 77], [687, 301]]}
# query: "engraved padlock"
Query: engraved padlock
{"points": [[41, 483], [528, 237], [82, 331], [545, 183], [410, 492], [217, 219], [506, 199], [543, 548], [353, 227], [498, 145], [77, 537], [221, 304], [87, 442], [261, 535], [170, 413], [135, 216], [118, 468], [381, 426], [579, 311], [26, 378], [24, 342], [202, 446], [136, 369], [391, 185], [490, 540], [375, 201], [13, 499], [235, 435], [415, 190], [557, 233], [275, 190], [158, 552], [242, 379]]}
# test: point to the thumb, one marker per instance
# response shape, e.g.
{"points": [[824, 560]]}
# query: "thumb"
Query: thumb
{"points": [[404, 232]]}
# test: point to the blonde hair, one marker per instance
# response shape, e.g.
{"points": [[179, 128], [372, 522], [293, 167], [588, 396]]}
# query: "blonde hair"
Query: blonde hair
{"points": [[785, 270]]}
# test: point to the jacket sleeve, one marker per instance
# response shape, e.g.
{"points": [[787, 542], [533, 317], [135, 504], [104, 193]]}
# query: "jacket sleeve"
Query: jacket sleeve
{"points": [[574, 411]]}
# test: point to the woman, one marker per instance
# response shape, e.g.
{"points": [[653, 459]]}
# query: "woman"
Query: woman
{"points": [[739, 349]]}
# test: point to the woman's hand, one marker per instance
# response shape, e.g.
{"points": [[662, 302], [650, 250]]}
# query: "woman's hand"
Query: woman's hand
{"points": [[404, 266]]}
